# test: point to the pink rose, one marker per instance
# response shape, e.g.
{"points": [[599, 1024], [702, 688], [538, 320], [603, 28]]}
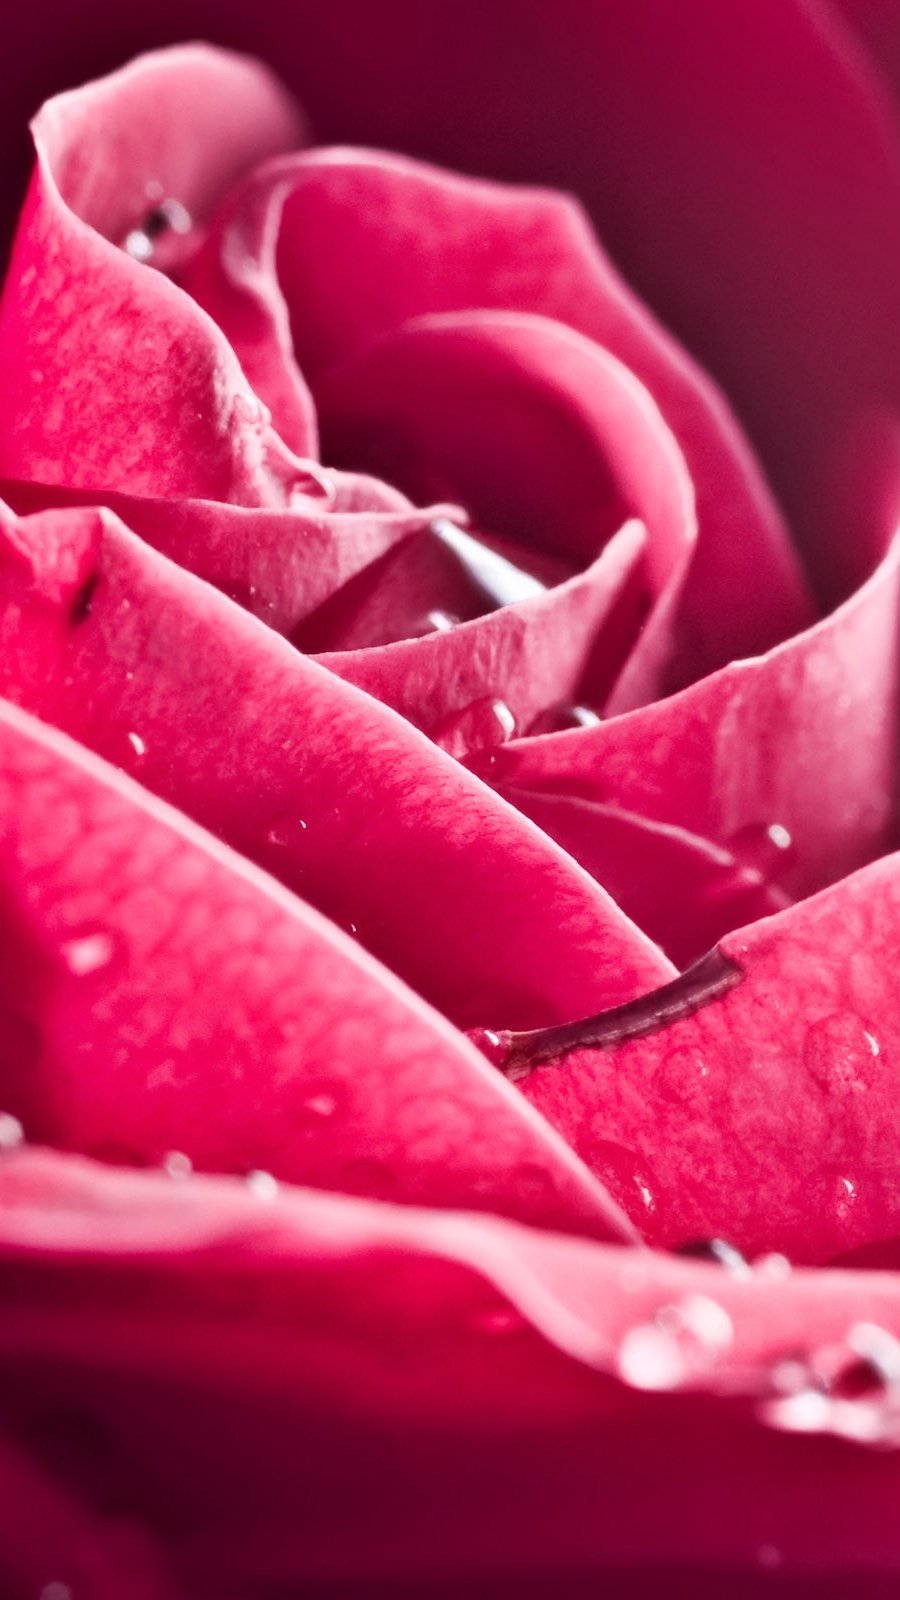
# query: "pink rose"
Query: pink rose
{"points": [[448, 787]]}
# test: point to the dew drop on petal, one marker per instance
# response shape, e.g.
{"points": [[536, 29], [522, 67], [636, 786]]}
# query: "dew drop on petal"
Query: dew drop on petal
{"points": [[650, 1358], [773, 1266], [319, 1107], [719, 1251], [440, 622], [562, 718], [12, 1134], [88, 953], [683, 1076], [262, 1185], [841, 1055], [167, 217], [627, 1176], [137, 744], [764, 848], [481, 725], [177, 1165], [878, 1348], [286, 831]]}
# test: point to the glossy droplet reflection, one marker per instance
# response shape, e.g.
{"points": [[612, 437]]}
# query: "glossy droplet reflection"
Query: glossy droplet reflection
{"points": [[765, 848], [627, 1175], [842, 1055], [683, 1341], [440, 622], [287, 831], [248, 408], [177, 1165], [12, 1134], [563, 718], [718, 1251], [482, 725], [850, 1388], [89, 952], [167, 217], [262, 1185]]}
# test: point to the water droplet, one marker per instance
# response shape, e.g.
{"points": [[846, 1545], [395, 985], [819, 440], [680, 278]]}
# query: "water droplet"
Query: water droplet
{"points": [[88, 953], [249, 409], [699, 1318], [352, 928], [286, 831], [841, 1055], [441, 621], [169, 216], [137, 744], [368, 1176], [320, 1106], [12, 1134], [490, 1044], [479, 726], [850, 1389], [879, 1349], [774, 1266], [682, 1076], [719, 1251], [562, 718], [500, 580], [682, 1342], [262, 1184], [177, 1165], [626, 1175], [764, 848], [845, 1194], [649, 1358]]}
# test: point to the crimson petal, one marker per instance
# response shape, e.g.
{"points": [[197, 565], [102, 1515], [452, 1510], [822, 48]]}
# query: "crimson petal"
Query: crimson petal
{"points": [[336, 795], [330, 1340], [369, 241], [152, 395], [161, 994], [768, 1116]]}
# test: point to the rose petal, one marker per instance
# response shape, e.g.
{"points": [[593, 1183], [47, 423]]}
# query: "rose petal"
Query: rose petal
{"points": [[307, 775], [332, 1342], [279, 565], [574, 444], [768, 1117], [368, 242], [801, 739], [684, 892], [161, 994], [113, 376], [740, 164]]}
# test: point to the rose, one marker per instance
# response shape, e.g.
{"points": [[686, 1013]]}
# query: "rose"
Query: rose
{"points": [[382, 1335]]}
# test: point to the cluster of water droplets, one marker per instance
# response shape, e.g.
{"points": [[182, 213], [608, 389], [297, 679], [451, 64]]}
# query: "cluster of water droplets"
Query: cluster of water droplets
{"points": [[166, 218], [849, 1389], [685, 1339]]}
